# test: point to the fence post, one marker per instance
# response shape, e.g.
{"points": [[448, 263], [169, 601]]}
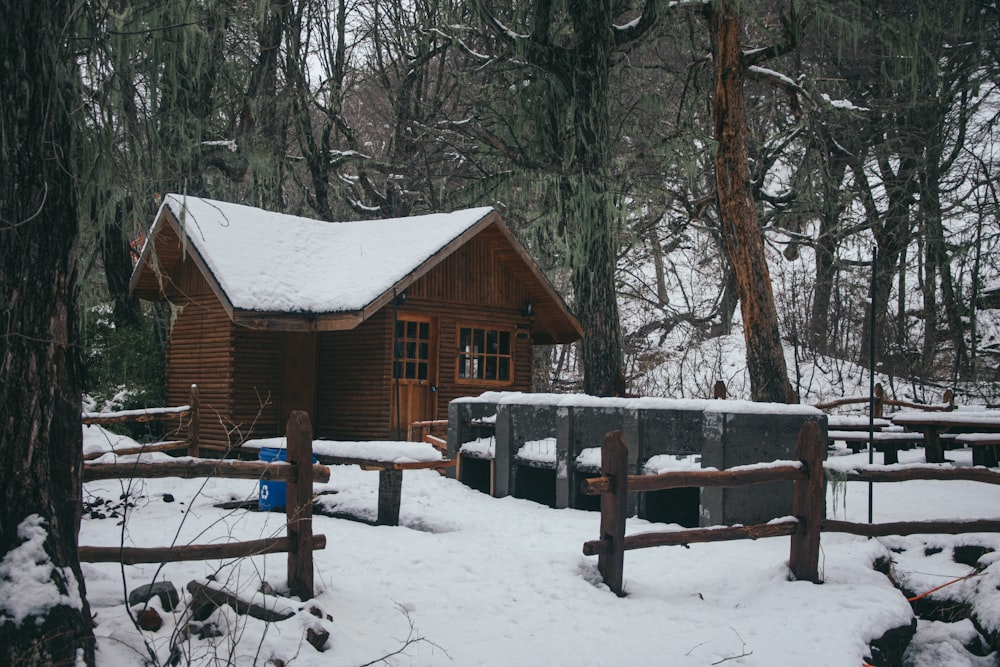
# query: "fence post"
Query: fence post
{"points": [[298, 505], [193, 419], [719, 390], [808, 504], [614, 465]]}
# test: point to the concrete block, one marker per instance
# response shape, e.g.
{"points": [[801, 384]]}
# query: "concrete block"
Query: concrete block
{"points": [[743, 438]]}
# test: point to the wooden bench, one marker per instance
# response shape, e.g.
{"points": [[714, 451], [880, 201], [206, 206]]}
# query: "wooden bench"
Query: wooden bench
{"points": [[887, 442], [855, 423], [938, 428], [984, 447]]}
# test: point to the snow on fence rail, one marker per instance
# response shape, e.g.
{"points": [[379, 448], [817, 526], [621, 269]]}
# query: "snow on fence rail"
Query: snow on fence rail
{"points": [[808, 474], [299, 542], [879, 401], [190, 411]]}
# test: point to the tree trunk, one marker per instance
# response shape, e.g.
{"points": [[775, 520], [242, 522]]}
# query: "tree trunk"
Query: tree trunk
{"points": [[594, 290], [892, 235], [826, 251], [744, 241], [117, 261], [40, 432], [594, 250]]}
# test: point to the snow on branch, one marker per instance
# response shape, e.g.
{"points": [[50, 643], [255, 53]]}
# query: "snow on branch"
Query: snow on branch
{"points": [[782, 80], [460, 43], [843, 104]]}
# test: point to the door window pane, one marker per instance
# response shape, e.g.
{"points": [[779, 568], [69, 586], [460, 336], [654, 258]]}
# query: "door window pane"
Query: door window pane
{"points": [[412, 350]]}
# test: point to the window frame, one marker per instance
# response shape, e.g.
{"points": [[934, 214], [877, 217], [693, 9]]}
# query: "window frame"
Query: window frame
{"points": [[400, 361], [475, 358]]}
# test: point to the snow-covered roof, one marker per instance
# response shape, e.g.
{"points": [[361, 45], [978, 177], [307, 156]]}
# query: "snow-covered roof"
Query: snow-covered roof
{"points": [[268, 261], [265, 263]]}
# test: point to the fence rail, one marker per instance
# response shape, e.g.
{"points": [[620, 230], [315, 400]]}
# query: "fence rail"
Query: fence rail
{"points": [[879, 402], [808, 505], [191, 411], [299, 542]]}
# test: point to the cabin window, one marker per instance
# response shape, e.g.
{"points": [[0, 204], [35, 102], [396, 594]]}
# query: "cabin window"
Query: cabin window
{"points": [[484, 355], [412, 349]]}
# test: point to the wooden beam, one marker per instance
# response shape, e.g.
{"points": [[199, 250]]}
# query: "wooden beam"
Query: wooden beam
{"points": [[911, 474], [912, 527], [199, 468], [298, 505], [695, 536], [698, 478], [171, 446], [614, 507], [390, 493], [136, 555], [808, 504]]}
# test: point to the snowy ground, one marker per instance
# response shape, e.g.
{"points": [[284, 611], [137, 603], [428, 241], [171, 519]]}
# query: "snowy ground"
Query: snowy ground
{"points": [[474, 580]]}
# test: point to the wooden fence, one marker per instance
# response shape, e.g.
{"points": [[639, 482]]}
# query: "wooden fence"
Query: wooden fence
{"points": [[185, 416], [879, 401], [808, 505], [299, 542]]}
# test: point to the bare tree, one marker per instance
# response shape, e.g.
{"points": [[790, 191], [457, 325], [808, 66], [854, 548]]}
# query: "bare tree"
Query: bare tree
{"points": [[744, 242]]}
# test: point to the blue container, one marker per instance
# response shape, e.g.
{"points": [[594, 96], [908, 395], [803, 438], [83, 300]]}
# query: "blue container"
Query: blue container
{"points": [[271, 493]]}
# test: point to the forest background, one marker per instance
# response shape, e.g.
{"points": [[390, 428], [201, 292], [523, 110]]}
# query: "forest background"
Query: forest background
{"points": [[682, 171], [869, 127]]}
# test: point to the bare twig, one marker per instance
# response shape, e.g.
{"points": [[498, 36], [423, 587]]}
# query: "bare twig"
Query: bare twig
{"points": [[412, 638]]}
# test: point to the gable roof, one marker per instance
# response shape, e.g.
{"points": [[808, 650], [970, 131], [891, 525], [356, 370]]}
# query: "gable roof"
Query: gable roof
{"points": [[279, 271]]}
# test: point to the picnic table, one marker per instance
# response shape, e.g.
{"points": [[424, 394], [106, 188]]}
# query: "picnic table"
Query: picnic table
{"points": [[389, 458], [977, 428], [855, 423], [854, 431]]}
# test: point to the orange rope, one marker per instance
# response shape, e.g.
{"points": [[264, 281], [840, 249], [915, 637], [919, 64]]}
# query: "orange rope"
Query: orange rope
{"points": [[937, 588]]}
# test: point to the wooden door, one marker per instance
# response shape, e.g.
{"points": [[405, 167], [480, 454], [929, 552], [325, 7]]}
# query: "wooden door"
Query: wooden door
{"points": [[414, 390]]}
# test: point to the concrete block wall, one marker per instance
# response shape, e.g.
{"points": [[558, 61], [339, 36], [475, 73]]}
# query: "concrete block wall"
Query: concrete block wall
{"points": [[724, 433]]}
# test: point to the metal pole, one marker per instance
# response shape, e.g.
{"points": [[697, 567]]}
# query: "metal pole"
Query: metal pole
{"points": [[871, 385]]}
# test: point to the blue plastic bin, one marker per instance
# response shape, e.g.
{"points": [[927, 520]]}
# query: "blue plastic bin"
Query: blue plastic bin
{"points": [[271, 493]]}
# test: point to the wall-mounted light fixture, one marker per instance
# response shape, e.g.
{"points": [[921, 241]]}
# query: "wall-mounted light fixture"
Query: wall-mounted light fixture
{"points": [[401, 298], [528, 309]]}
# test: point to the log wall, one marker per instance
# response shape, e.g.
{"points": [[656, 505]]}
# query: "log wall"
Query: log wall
{"points": [[470, 287], [200, 351], [473, 275], [473, 286], [240, 370], [354, 380], [256, 383]]}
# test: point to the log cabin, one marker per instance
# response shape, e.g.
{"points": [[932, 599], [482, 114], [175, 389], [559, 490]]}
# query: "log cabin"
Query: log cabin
{"points": [[368, 326]]}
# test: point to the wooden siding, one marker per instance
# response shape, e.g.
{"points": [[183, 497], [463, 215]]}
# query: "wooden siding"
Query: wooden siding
{"points": [[354, 380], [449, 319], [199, 351], [241, 371], [470, 287], [256, 382], [473, 275]]}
